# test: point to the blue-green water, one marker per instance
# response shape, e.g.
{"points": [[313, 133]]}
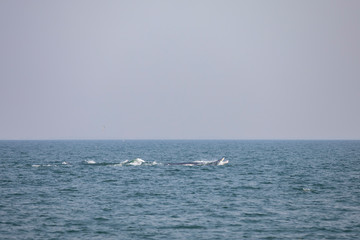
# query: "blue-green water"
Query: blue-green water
{"points": [[268, 190]]}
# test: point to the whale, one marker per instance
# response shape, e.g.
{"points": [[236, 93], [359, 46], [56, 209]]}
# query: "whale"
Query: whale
{"points": [[219, 162]]}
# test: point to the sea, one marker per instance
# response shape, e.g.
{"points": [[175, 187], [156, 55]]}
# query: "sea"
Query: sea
{"points": [[126, 189]]}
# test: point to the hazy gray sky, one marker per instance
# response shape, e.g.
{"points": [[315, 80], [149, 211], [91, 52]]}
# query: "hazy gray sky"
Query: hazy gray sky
{"points": [[179, 69]]}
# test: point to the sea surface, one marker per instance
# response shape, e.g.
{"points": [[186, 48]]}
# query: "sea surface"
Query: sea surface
{"points": [[127, 190]]}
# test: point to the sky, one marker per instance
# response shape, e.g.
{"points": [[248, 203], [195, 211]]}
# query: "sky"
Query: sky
{"points": [[179, 69]]}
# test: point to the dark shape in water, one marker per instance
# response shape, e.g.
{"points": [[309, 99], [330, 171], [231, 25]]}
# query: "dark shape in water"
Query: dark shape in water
{"points": [[221, 161]]}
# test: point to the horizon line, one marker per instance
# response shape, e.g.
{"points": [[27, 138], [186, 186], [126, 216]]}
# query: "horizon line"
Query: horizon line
{"points": [[185, 139]]}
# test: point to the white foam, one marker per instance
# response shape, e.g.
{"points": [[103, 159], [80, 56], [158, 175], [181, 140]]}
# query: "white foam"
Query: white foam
{"points": [[136, 162], [43, 165], [123, 163], [117, 165], [202, 161], [90, 161]]}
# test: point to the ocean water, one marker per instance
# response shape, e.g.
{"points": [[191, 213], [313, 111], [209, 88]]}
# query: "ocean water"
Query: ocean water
{"points": [[126, 190]]}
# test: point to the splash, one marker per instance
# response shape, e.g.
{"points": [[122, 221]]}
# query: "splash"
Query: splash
{"points": [[134, 162], [90, 161]]}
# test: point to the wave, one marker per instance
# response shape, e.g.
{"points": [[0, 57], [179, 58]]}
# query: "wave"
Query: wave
{"points": [[219, 162], [134, 162], [137, 162]]}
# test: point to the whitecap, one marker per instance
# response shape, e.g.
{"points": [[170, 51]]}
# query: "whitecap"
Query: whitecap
{"points": [[136, 162], [42, 165], [90, 161]]}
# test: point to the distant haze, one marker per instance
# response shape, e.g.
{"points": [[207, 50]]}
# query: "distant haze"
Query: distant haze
{"points": [[180, 69]]}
